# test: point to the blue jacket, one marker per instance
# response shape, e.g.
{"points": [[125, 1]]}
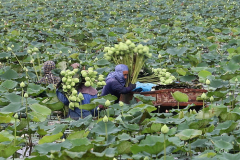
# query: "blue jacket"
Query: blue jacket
{"points": [[76, 113], [114, 87]]}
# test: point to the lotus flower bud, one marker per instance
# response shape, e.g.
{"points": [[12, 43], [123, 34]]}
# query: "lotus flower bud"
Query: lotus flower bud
{"points": [[22, 84], [194, 111], [105, 119], [159, 56], [98, 108], [52, 156], [15, 116], [63, 140], [25, 95], [9, 49], [107, 103], [207, 82], [211, 98], [181, 115], [35, 49], [203, 96], [29, 51], [121, 103], [236, 79], [146, 158], [165, 129], [191, 111]]}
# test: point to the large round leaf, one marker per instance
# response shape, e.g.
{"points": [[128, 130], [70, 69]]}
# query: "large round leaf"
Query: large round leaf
{"points": [[180, 97], [99, 128], [189, 134]]}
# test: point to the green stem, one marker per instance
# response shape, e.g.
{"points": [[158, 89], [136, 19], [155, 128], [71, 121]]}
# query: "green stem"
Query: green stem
{"points": [[17, 60], [98, 114], [39, 63], [165, 152], [35, 70], [81, 109], [15, 131], [190, 149], [22, 96], [108, 112], [106, 130]]}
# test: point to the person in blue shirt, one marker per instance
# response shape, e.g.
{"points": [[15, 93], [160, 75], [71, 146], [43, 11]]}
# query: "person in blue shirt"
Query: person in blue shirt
{"points": [[115, 82], [87, 92]]}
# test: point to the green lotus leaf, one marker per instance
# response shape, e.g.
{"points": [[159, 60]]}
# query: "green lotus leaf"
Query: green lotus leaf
{"points": [[48, 147], [177, 51], [102, 62], [9, 84], [72, 155], [189, 134], [7, 150], [50, 138], [40, 109], [9, 74], [5, 136], [204, 74], [88, 107], [13, 107], [108, 152], [124, 137], [37, 117], [179, 96], [34, 89], [181, 71], [124, 147], [223, 145], [5, 117], [77, 134], [99, 128]]}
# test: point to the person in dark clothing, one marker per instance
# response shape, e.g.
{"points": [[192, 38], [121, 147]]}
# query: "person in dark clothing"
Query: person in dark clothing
{"points": [[87, 92], [48, 77], [115, 82]]}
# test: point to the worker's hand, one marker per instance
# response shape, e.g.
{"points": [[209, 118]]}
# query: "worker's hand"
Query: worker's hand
{"points": [[75, 65], [133, 86]]}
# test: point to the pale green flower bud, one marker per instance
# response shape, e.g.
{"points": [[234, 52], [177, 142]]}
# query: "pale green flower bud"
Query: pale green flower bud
{"points": [[121, 103], [194, 111], [29, 51], [15, 116], [203, 96], [146, 158], [211, 98], [181, 115], [52, 156], [105, 119], [165, 129], [25, 95], [207, 82], [159, 56], [236, 79], [35, 49], [107, 103], [22, 84], [9, 49], [98, 108]]}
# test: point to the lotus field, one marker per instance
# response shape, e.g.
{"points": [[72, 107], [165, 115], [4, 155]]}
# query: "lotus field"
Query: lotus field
{"points": [[196, 42]]}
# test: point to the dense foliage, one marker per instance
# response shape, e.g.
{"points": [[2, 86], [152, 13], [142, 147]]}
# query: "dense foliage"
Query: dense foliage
{"points": [[193, 40]]}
